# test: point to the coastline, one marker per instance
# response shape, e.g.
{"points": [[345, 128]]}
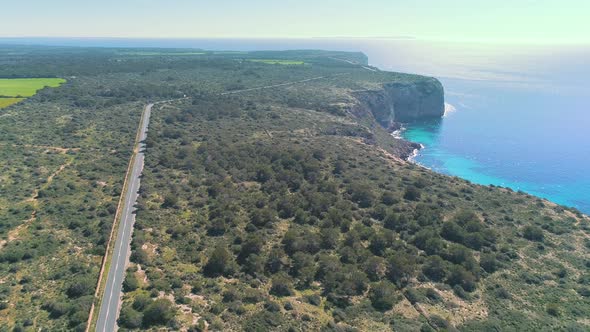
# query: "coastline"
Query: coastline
{"points": [[412, 157]]}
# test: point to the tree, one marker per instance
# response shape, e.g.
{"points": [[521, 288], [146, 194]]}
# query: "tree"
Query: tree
{"points": [[141, 302], [57, 309], [382, 296], [362, 194], [375, 268], [429, 241], [130, 283], [460, 276], [329, 237], [553, 309], [389, 198], [130, 318], [170, 200], [435, 268], [262, 217], [159, 312], [281, 286], [401, 267], [220, 262], [84, 286], [412, 193], [301, 261], [139, 256], [276, 261], [489, 263], [452, 232], [533, 233], [252, 245]]}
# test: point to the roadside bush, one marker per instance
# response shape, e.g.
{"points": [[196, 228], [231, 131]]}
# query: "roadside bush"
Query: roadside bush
{"points": [[130, 283], [130, 318], [57, 309], [141, 302], [159, 312], [84, 286]]}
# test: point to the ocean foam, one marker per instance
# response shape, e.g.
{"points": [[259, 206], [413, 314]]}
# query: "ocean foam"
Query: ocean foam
{"points": [[398, 133], [449, 109]]}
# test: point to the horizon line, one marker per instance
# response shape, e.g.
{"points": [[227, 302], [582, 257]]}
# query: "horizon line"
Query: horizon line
{"points": [[400, 38]]}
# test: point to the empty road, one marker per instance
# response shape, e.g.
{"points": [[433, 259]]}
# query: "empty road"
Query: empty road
{"points": [[109, 307]]}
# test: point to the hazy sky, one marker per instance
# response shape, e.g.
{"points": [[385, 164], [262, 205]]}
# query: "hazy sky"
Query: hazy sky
{"points": [[486, 20]]}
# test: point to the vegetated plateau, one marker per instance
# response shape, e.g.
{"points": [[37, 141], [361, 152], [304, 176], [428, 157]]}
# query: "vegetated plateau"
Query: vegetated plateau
{"points": [[276, 207]]}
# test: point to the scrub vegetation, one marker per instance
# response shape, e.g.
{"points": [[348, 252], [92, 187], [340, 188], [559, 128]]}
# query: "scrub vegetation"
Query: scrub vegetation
{"points": [[268, 209], [279, 62]]}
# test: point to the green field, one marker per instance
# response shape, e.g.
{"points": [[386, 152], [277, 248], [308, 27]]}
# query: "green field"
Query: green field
{"points": [[279, 62], [26, 87], [5, 102]]}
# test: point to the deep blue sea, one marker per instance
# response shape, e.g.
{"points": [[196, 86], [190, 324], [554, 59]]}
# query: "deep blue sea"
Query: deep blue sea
{"points": [[518, 115]]}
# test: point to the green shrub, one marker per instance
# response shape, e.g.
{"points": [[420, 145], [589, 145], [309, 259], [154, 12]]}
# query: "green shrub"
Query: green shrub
{"points": [[130, 318], [159, 312], [435, 268], [84, 286], [220, 262], [412, 193], [553, 309], [382, 296], [533, 233], [281, 286], [130, 283]]}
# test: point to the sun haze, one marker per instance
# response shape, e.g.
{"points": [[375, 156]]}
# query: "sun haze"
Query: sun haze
{"points": [[533, 21]]}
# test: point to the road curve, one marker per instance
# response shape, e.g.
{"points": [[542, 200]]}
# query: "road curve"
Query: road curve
{"points": [[109, 307]]}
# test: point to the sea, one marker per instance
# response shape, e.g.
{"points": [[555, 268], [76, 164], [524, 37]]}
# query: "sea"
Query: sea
{"points": [[517, 115]]}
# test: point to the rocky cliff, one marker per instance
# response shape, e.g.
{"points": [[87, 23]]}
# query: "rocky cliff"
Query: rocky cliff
{"points": [[403, 102]]}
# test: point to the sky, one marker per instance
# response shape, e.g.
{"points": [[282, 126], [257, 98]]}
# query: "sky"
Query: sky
{"points": [[536, 21]]}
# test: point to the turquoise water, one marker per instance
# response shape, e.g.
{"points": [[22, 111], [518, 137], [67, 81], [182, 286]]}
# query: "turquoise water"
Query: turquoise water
{"points": [[531, 140], [526, 126], [521, 114]]}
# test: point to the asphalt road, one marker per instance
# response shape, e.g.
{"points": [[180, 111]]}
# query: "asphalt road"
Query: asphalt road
{"points": [[109, 308]]}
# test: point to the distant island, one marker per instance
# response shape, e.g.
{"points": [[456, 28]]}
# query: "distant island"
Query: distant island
{"points": [[273, 198]]}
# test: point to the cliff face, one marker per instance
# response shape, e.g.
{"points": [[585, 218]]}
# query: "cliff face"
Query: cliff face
{"points": [[403, 102]]}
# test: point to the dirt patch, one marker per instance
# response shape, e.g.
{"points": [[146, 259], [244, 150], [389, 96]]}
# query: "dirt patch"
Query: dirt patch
{"points": [[406, 309]]}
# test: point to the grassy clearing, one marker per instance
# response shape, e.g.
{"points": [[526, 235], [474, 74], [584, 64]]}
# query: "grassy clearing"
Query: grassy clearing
{"points": [[26, 87], [5, 102], [279, 62]]}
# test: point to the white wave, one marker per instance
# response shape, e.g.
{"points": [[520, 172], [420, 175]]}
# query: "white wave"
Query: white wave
{"points": [[412, 157], [449, 109], [398, 133]]}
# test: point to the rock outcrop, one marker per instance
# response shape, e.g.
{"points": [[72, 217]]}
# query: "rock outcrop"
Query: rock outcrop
{"points": [[403, 102]]}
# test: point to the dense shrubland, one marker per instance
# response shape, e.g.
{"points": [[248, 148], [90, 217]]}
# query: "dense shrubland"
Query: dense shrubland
{"points": [[251, 218], [269, 210]]}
